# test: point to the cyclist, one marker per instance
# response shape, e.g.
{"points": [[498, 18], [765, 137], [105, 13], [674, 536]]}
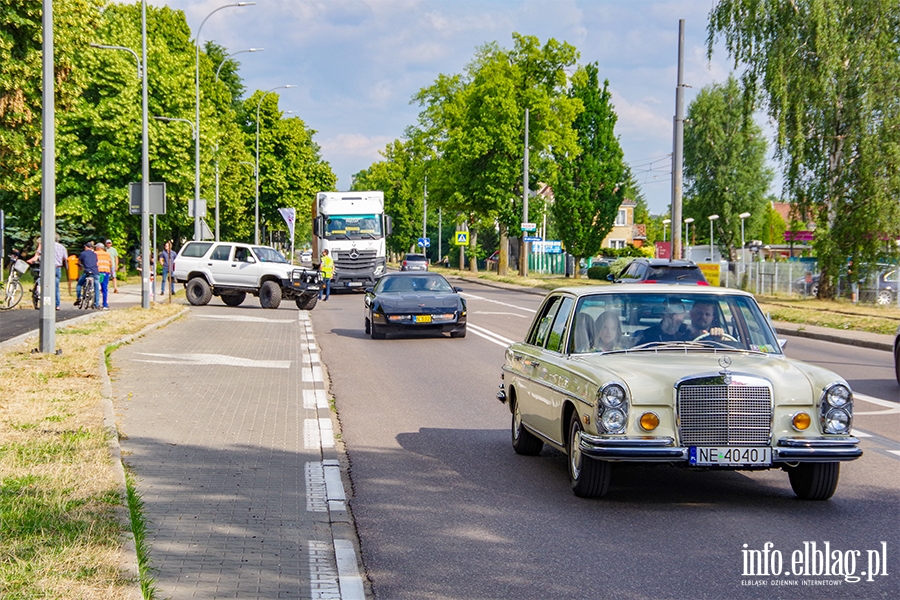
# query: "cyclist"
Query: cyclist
{"points": [[87, 260]]}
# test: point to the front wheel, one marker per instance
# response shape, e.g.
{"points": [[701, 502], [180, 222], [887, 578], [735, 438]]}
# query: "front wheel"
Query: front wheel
{"points": [[376, 332], [307, 302], [13, 294], [198, 291], [459, 333], [589, 477], [270, 295], [234, 299], [814, 481], [87, 298], [884, 298]]}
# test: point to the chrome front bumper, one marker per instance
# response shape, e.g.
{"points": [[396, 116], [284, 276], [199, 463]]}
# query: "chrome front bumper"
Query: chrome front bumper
{"points": [[663, 449]]}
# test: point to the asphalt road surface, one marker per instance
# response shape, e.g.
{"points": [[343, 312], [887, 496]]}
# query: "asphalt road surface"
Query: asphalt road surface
{"points": [[445, 509]]}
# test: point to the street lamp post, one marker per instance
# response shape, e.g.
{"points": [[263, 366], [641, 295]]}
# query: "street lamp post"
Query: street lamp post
{"points": [[145, 156], [665, 225], [687, 226], [197, 232], [743, 216], [256, 170], [712, 250], [218, 70]]}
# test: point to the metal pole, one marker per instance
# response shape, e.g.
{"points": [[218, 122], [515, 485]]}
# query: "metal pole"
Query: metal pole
{"points": [[677, 154], [47, 340], [523, 253], [217, 192], [145, 170]]}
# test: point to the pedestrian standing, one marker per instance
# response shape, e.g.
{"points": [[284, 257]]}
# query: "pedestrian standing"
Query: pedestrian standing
{"points": [[327, 269], [114, 256], [104, 268], [87, 260], [59, 260], [167, 260]]}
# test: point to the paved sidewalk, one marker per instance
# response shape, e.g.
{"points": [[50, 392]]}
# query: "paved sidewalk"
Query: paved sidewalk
{"points": [[228, 433]]}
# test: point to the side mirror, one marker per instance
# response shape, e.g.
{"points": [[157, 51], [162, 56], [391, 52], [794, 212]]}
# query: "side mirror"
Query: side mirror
{"points": [[370, 290], [457, 289], [610, 277]]}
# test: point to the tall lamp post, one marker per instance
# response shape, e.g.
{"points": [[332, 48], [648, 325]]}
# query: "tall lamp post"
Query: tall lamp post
{"points": [[687, 239], [712, 251], [197, 232], [145, 157], [256, 170], [743, 216]]}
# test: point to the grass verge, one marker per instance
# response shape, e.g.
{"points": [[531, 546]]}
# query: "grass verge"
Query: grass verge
{"points": [[139, 529], [61, 512]]}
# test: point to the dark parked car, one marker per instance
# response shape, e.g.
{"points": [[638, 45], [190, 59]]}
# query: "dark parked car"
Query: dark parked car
{"points": [[662, 270], [414, 262], [414, 302], [880, 289]]}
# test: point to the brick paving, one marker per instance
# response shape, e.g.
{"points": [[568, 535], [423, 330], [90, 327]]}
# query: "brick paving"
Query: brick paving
{"points": [[224, 415]]}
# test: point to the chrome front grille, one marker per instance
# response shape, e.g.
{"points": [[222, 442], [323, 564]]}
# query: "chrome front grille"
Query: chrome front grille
{"points": [[355, 260], [724, 415]]}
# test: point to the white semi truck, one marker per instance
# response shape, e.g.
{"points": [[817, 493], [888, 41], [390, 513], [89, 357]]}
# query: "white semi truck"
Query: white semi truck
{"points": [[352, 227]]}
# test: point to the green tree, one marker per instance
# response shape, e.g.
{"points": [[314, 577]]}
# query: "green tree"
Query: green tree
{"points": [[828, 70], [590, 184], [724, 163], [21, 56], [475, 124], [773, 225]]}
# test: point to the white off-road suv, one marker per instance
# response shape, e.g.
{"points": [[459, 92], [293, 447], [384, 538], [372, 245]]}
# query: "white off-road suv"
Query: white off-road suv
{"points": [[231, 270]]}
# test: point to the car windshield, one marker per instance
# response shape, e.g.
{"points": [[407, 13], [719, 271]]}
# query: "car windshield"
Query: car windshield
{"points": [[353, 227], [637, 322], [423, 283], [268, 255]]}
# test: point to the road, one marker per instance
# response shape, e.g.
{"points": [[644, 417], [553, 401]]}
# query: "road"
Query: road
{"points": [[445, 509]]}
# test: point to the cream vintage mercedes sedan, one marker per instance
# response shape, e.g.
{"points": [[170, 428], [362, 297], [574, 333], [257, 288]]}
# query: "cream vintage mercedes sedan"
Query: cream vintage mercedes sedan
{"points": [[689, 376]]}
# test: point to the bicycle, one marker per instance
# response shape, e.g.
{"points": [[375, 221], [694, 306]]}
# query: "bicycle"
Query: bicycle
{"points": [[36, 290], [13, 289], [87, 293]]}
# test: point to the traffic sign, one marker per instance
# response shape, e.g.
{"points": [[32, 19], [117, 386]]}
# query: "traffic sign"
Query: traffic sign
{"points": [[424, 242], [529, 226], [533, 238], [462, 238]]}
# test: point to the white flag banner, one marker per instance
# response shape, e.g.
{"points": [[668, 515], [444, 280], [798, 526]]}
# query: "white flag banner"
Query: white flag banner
{"points": [[289, 215]]}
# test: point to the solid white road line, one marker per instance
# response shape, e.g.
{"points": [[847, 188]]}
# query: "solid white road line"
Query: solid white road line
{"points": [[473, 297], [893, 407]]}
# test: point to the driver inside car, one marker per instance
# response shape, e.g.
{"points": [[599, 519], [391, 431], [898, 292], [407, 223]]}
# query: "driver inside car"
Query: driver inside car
{"points": [[703, 321], [670, 328]]}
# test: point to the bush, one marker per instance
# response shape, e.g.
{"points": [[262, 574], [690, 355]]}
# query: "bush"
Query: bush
{"points": [[598, 272]]}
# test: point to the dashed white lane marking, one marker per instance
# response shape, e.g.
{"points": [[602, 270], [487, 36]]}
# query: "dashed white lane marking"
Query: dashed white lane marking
{"points": [[316, 497], [312, 439], [482, 298], [860, 434], [214, 359], [326, 433], [897, 452], [893, 407], [313, 399], [489, 335], [323, 576], [509, 314], [244, 319]]}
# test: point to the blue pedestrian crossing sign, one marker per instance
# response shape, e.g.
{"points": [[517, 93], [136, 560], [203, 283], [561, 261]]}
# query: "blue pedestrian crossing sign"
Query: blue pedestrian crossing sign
{"points": [[424, 242], [462, 238]]}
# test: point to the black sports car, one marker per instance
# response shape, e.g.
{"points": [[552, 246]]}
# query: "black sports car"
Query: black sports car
{"points": [[414, 301]]}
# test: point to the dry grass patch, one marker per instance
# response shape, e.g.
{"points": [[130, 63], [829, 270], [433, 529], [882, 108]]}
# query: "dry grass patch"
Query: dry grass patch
{"points": [[61, 512], [836, 314]]}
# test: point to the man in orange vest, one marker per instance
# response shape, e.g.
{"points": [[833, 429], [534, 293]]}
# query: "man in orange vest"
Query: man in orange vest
{"points": [[104, 266]]}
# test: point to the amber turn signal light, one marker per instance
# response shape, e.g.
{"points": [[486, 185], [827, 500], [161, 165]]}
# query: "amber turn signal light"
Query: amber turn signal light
{"points": [[649, 421], [801, 421]]}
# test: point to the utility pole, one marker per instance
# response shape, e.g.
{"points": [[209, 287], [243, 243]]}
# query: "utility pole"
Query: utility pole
{"points": [[47, 342], [678, 150], [523, 245]]}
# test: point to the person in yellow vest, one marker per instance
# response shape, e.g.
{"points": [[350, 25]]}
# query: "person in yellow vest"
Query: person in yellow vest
{"points": [[327, 269], [104, 266]]}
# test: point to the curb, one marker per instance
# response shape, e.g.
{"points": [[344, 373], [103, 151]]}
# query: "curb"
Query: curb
{"points": [[129, 561], [861, 339]]}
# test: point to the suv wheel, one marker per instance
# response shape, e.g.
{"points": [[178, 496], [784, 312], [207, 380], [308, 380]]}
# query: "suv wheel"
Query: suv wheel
{"points": [[234, 299], [270, 295], [198, 292], [307, 303]]}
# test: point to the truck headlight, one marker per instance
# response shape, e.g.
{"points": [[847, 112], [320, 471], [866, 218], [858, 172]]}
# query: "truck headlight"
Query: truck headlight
{"points": [[836, 409], [379, 269], [612, 408]]}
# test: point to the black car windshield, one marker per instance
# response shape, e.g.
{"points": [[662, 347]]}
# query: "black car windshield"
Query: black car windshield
{"points": [[268, 255], [634, 322], [421, 283], [353, 227]]}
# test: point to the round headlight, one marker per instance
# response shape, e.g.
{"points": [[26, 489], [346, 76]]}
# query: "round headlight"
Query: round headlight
{"points": [[837, 420], [612, 396], [613, 420], [838, 395]]}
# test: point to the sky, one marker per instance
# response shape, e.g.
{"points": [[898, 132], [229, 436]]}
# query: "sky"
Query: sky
{"points": [[357, 63]]}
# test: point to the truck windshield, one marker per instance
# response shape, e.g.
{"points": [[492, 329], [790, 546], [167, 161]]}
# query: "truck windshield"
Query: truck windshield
{"points": [[268, 255], [353, 227]]}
